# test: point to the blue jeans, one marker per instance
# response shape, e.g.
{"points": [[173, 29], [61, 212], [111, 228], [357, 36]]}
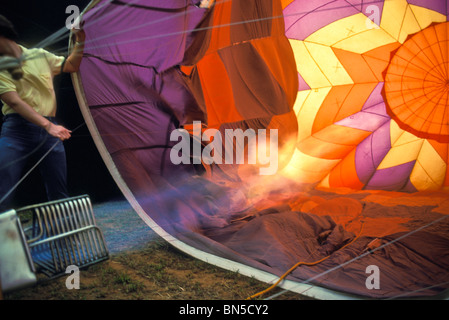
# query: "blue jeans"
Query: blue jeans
{"points": [[20, 142]]}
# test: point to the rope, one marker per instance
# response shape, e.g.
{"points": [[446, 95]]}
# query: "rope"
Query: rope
{"points": [[303, 263], [370, 252], [28, 173], [35, 165]]}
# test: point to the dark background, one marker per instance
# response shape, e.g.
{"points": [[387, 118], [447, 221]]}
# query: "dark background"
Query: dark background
{"points": [[87, 174]]}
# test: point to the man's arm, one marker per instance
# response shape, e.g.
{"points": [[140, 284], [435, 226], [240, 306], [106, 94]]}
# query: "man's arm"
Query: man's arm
{"points": [[73, 62], [13, 100]]}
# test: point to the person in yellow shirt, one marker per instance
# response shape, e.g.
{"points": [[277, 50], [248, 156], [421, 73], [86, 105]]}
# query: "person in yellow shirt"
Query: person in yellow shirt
{"points": [[30, 129]]}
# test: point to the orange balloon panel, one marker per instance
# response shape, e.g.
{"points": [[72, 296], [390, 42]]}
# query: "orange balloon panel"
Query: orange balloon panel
{"points": [[417, 84]]}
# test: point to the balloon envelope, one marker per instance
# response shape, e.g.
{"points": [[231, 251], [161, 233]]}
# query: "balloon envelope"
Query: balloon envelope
{"points": [[151, 68]]}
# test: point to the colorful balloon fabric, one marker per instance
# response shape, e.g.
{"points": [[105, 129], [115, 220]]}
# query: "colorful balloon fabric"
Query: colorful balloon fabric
{"points": [[358, 94], [372, 106]]}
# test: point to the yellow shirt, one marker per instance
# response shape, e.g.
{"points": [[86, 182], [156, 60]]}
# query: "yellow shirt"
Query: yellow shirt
{"points": [[36, 86]]}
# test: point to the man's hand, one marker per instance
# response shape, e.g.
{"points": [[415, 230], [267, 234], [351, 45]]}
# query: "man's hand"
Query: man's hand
{"points": [[73, 62], [58, 131], [79, 34], [13, 100]]}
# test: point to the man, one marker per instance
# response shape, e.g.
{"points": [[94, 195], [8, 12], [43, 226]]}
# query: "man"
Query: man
{"points": [[30, 130]]}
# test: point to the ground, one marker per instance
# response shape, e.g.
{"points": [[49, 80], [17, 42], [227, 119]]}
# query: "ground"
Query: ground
{"points": [[142, 266], [156, 272]]}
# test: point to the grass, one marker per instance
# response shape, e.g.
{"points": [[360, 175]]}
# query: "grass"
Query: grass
{"points": [[157, 272]]}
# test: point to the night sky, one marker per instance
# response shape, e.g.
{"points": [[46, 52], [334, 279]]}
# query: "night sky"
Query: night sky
{"points": [[87, 174]]}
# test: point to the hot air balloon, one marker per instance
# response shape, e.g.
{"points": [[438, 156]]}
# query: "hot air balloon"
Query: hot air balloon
{"points": [[321, 74]]}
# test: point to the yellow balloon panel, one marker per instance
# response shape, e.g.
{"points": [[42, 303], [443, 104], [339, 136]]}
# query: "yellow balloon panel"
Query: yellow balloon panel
{"points": [[307, 169], [308, 110], [425, 17], [328, 63], [307, 66], [430, 169], [355, 34]]}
